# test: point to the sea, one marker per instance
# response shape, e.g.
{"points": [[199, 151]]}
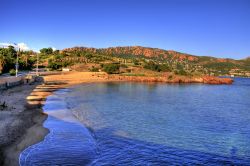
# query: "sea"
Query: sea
{"points": [[145, 124]]}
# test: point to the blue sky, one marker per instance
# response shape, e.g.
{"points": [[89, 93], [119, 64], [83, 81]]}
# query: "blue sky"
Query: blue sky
{"points": [[219, 28]]}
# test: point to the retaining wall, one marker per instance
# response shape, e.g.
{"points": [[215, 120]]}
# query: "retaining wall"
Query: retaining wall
{"points": [[10, 82]]}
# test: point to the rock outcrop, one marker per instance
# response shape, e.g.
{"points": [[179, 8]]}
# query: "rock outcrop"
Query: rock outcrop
{"points": [[175, 79], [216, 80]]}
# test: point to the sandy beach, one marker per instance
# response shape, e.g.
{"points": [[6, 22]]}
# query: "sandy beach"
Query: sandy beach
{"points": [[23, 115]]}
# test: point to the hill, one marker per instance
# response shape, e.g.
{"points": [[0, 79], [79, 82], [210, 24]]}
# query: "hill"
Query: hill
{"points": [[134, 60], [175, 61]]}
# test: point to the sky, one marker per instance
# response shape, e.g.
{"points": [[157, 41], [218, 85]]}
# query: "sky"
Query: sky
{"points": [[219, 28]]}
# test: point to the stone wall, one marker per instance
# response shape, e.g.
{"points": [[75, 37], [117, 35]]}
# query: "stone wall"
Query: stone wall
{"points": [[10, 82]]}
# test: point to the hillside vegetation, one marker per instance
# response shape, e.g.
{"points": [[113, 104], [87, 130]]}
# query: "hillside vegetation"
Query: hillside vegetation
{"points": [[133, 60]]}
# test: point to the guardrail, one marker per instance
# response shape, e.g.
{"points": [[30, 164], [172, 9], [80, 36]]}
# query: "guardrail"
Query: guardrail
{"points": [[45, 73]]}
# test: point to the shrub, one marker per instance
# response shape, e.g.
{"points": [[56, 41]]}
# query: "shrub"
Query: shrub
{"points": [[54, 65], [170, 77], [151, 66], [111, 68], [164, 68], [157, 67], [66, 64], [12, 72], [94, 69], [181, 72], [136, 62], [124, 66]]}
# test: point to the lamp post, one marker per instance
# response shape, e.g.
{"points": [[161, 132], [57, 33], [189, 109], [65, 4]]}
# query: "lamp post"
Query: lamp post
{"points": [[37, 59], [17, 65]]}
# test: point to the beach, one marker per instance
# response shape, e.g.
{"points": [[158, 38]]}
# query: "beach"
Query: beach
{"points": [[16, 117], [23, 115]]}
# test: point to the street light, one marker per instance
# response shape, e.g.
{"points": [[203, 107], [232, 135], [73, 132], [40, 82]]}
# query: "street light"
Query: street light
{"points": [[17, 65], [37, 64]]}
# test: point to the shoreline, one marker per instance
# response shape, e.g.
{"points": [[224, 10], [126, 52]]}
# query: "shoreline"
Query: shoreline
{"points": [[16, 118], [25, 118], [28, 116]]}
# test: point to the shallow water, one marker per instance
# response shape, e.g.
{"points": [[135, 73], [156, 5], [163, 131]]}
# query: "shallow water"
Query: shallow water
{"points": [[146, 124]]}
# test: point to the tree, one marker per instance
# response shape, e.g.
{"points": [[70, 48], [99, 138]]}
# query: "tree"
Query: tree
{"points": [[2, 62], [54, 65], [151, 66], [136, 62], [111, 68], [180, 70], [7, 58], [12, 72], [164, 68], [11, 51], [46, 51], [25, 55], [88, 56]]}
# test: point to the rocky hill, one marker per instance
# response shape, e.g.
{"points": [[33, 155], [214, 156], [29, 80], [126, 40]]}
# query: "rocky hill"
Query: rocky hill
{"points": [[137, 51], [204, 64]]}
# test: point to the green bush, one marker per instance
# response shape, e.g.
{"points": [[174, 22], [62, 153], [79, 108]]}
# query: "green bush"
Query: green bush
{"points": [[136, 62], [94, 69], [54, 65], [123, 66], [157, 67], [151, 66], [111, 68], [181, 72], [164, 68], [12, 72]]}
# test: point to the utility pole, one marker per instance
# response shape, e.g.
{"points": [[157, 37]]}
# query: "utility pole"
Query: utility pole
{"points": [[18, 50], [37, 64]]}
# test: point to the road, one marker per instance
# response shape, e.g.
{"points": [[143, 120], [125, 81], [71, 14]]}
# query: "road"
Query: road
{"points": [[21, 73]]}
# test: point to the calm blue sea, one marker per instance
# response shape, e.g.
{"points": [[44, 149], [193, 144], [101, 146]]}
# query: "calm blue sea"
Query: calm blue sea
{"points": [[146, 124]]}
